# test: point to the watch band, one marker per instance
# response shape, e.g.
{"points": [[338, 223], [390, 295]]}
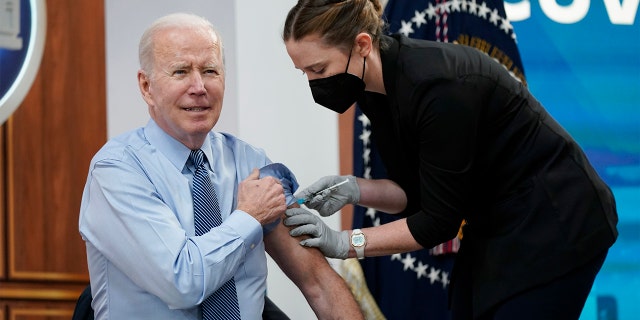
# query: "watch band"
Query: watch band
{"points": [[358, 242]]}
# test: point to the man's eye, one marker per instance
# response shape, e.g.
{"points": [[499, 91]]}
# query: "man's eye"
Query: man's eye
{"points": [[179, 72], [212, 71]]}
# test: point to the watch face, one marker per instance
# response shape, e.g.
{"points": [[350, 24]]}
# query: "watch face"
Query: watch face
{"points": [[357, 240]]}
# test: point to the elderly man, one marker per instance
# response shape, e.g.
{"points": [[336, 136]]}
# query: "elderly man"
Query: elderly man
{"points": [[176, 217]]}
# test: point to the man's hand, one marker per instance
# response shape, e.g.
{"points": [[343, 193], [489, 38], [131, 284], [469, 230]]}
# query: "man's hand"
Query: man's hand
{"points": [[285, 176], [262, 198], [329, 201], [333, 244]]}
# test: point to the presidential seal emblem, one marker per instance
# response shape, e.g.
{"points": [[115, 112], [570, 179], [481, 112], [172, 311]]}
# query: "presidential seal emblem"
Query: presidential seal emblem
{"points": [[22, 38]]}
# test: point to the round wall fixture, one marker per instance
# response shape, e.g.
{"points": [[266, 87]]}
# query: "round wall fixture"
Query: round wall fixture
{"points": [[22, 37]]}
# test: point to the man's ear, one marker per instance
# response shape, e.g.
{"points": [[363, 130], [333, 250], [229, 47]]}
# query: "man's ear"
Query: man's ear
{"points": [[363, 44], [144, 85]]}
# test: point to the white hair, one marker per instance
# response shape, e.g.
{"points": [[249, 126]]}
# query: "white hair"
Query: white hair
{"points": [[174, 20]]}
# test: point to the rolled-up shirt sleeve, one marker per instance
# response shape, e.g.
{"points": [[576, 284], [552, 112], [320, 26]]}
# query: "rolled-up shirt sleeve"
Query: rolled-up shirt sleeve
{"points": [[287, 180]]}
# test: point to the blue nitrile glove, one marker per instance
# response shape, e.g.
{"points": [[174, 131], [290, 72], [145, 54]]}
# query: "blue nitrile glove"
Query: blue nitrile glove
{"points": [[328, 202], [333, 244], [286, 177]]}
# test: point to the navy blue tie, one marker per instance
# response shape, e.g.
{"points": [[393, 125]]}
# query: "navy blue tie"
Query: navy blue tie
{"points": [[222, 304]]}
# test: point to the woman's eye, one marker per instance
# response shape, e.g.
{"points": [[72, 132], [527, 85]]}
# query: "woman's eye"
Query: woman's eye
{"points": [[313, 71]]}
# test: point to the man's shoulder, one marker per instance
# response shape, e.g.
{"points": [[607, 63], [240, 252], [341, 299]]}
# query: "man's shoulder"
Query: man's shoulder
{"points": [[233, 143], [116, 147]]}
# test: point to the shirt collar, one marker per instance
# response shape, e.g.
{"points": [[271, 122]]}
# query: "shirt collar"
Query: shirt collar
{"points": [[174, 150]]}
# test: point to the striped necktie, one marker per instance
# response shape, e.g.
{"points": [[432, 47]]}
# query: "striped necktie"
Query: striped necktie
{"points": [[222, 304]]}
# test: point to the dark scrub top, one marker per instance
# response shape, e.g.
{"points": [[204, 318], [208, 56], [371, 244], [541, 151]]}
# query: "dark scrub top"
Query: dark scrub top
{"points": [[466, 140]]}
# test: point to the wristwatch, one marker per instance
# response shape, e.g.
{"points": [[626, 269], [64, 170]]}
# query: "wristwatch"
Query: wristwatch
{"points": [[358, 242]]}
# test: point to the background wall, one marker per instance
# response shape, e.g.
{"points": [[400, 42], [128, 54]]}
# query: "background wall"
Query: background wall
{"points": [[267, 101]]}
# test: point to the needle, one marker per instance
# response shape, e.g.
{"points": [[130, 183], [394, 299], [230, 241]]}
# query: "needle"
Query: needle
{"points": [[324, 192]]}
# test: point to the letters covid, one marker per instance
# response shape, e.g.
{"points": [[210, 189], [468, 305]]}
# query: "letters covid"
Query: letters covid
{"points": [[620, 12]]}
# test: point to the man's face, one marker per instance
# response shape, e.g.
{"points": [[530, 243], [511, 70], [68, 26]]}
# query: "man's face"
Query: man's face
{"points": [[186, 87]]}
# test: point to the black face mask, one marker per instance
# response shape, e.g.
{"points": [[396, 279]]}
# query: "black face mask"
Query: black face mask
{"points": [[340, 91]]}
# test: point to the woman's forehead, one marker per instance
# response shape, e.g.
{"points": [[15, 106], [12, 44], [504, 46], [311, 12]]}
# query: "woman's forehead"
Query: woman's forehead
{"points": [[309, 51]]}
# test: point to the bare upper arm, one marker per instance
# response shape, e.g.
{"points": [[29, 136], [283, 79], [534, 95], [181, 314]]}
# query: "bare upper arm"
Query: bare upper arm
{"points": [[299, 263]]}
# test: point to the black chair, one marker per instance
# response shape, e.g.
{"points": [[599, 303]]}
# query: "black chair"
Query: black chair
{"points": [[83, 310], [271, 311]]}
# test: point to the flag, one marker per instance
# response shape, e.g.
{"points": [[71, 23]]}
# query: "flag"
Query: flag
{"points": [[415, 285]]}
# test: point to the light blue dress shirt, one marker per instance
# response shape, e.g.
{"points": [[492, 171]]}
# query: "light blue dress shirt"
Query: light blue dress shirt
{"points": [[136, 217]]}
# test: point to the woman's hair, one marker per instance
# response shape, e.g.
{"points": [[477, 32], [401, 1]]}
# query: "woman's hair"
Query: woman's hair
{"points": [[336, 22], [174, 20]]}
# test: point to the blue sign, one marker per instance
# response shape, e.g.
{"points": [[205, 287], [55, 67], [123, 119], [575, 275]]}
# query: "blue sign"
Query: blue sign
{"points": [[582, 61], [22, 36]]}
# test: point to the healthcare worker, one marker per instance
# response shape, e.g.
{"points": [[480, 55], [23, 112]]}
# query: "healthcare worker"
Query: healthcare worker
{"points": [[460, 138]]}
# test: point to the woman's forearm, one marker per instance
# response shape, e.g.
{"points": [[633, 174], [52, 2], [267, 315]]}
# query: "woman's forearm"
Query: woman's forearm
{"points": [[381, 194], [387, 239]]}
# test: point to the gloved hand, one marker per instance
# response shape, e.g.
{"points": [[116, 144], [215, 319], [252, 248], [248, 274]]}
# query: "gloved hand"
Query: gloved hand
{"points": [[333, 244], [330, 201]]}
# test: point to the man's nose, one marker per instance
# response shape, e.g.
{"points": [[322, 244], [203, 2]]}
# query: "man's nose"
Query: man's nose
{"points": [[197, 84]]}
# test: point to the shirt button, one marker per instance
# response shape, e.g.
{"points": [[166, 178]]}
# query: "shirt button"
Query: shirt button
{"points": [[253, 245]]}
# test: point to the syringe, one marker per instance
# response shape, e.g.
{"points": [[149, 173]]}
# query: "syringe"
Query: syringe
{"points": [[324, 192]]}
